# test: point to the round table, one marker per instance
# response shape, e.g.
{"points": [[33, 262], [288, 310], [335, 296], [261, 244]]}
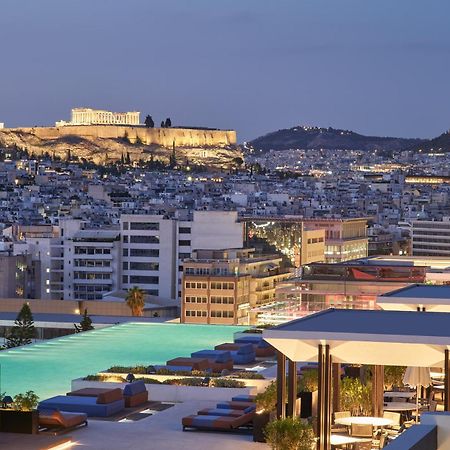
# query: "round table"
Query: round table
{"points": [[364, 420], [399, 406], [399, 394]]}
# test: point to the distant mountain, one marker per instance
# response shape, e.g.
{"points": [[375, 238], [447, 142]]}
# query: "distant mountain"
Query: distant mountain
{"points": [[302, 137], [440, 144]]}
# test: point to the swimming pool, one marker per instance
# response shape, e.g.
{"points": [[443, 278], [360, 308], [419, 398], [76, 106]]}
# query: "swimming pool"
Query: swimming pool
{"points": [[48, 367]]}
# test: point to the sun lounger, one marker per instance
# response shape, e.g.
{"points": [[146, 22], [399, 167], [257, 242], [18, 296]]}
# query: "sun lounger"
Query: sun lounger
{"points": [[103, 405], [194, 363], [246, 406], [218, 359], [244, 398], [61, 421], [241, 353], [135, 394], [262, 348], [219, 423], [221, 412]]}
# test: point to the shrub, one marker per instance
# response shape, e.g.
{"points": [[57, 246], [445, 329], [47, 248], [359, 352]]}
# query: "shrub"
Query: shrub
{"points": [[355, 396], [148, 380], [267, 400], [131, 369], [227, 383], [248, 375], [393, 376], [184, 381], [289, 434], [110, 378], [26, 402], [309, 381]]}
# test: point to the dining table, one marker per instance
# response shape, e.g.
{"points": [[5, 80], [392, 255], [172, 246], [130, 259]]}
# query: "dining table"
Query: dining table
{"points": [[399, 406], [364, 420], [399, 394]]}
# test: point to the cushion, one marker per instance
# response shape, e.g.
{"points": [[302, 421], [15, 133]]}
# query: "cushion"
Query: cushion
{"points": [[134, 388], [110, 396]]}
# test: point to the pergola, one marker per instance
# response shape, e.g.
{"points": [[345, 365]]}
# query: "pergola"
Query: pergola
{"points": [[337, 336]]}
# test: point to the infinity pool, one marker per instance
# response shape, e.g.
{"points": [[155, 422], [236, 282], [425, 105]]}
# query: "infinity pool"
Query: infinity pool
{"points": [[48, 367]]}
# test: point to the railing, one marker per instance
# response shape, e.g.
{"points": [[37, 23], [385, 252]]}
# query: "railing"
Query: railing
{"points": [[418, 437]]}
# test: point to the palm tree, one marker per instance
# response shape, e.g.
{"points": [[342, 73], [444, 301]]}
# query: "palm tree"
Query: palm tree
{"points": [[135, 301]]}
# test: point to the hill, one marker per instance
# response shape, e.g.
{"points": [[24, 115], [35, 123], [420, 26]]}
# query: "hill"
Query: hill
{"points": [[440, 144], [302, 137]]}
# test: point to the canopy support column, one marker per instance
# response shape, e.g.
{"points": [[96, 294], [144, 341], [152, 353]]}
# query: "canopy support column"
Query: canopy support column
{"points": [[378, 391], [292, 388], [336, 371], [324, 407], [281, 385], [446, 381]]}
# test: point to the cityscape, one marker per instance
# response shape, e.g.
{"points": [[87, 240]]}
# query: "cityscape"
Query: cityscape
{"points": [[190, 262]]}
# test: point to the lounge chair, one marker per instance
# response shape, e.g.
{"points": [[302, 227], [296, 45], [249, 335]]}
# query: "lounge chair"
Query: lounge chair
{"points": [[194, 363], [218, 423], [221, 412], [57, 422], [241, 353], [246, 406], [218, 359], [104, 405], [135, 394], [244, 398], [262, 348]]}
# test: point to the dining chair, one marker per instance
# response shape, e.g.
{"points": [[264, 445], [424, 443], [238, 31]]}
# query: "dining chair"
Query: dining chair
{"points": [[337, 428], [361, 430]]}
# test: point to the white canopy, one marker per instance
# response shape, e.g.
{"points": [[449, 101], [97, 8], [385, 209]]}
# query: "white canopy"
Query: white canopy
{"points": [[366, 337]]}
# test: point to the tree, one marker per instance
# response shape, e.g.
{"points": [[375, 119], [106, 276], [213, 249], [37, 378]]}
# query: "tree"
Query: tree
{"points": [[238, 161], [128, 159], [85, 323], [149, 122], [168, 123], [135, 301], [23, 330], [163, 124], [122, 160]]}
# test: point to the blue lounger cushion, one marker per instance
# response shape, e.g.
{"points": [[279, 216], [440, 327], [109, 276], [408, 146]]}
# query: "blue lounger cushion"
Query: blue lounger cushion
{"points": [[136, 387], [219, 356], [243, 398], [253, 339], [228, 405], [243, 358], [86, 405]]}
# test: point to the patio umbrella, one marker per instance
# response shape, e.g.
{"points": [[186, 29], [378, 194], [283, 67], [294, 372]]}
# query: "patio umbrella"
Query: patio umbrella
{"points": [[417, 377]]}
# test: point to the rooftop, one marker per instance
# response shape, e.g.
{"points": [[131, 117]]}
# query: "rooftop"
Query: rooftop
{"points": [[419, 291]]}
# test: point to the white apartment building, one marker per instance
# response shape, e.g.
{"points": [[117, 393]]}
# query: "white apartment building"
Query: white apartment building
{"points": [[431, 238], [154, 247], [84, 262]]}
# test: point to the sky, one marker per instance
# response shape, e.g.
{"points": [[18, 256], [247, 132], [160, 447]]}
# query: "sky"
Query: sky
{"points": [[376, 67]]}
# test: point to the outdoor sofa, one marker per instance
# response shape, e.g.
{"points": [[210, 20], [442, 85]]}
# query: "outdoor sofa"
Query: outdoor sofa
{"points": [[262, 348], [218, 359], [218, 423], [241, 353]]}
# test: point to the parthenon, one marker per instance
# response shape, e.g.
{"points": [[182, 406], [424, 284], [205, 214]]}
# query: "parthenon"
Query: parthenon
{"points": [[88, 116]]}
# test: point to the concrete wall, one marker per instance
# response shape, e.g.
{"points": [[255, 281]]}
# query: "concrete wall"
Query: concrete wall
{"points": [[166, 137], [171, 393]]}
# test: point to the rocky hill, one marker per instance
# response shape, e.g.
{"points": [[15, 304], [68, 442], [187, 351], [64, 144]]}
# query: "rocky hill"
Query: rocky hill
{"points": [[108, 150], [440, 144], [302, 137]]}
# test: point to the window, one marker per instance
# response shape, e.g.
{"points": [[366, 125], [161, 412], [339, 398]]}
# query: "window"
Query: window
{"points": [[144, 266], [144, 239], [222, 300], [125, 252], [125, 279], [141, 226], [223, 314], [125, 226], [184, 243], [194, 313], [154, 292], [195, 285], [219, 285], [153, 253], [125, 239], [196, 300], [125, 266], [140, 279], [185, 230], [183, 256]]}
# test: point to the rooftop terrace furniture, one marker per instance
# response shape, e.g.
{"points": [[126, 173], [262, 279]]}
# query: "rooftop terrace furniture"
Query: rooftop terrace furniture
{"points": [[217, 359], [194, 363], [135, 394], [246, 406], [221, 412], [262, 348], [220, 423], [104, 405], [244, 398], [89, 392], [61, 421], [361, 430], [241, 353]]}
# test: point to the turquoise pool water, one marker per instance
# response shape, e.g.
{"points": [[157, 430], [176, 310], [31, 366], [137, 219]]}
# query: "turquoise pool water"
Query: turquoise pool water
{"points": [[48, 367]]}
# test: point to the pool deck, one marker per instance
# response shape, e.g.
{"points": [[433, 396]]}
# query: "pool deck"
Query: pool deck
{"points": [[161, 431]]}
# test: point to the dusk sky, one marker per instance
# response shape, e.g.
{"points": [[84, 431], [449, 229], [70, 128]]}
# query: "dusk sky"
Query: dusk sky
{"points": [[376, 67]]}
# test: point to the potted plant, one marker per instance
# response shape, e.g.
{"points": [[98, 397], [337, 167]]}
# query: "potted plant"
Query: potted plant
{"points": [[266, 403], [23, 418], [290, 434], [356, 397], [308, 385]]}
